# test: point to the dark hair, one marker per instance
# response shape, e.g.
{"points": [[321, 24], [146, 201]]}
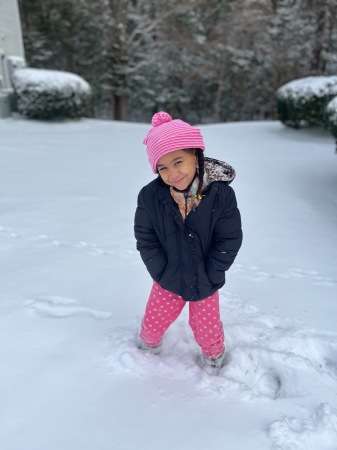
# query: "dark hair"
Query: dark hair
{"points": [[201, 170], [201, 165]]}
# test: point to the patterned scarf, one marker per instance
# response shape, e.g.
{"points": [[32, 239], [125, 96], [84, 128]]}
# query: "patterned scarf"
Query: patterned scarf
{"points": [[188, 200]]}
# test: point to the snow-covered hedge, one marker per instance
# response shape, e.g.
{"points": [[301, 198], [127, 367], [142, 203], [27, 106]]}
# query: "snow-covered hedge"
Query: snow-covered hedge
{"points": [[331, 116], [302, 102], [51, 94]]}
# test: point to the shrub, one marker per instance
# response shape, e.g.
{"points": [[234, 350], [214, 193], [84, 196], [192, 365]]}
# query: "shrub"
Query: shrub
{"points": [[51, 94], [331, 117], [302, 102]]}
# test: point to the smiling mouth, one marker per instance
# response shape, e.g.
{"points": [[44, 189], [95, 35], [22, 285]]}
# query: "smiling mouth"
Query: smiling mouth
{"points": [[178, 181]]}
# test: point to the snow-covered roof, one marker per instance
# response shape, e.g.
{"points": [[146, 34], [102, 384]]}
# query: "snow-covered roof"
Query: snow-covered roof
{"points": [[49, 79]]}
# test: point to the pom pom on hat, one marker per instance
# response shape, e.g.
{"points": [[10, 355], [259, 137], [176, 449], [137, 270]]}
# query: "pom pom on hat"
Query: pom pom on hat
{"points": [[159, 118], [168, 135]]}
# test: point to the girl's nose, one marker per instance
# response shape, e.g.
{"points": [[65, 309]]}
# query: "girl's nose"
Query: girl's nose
{"points": [[173, 171]]}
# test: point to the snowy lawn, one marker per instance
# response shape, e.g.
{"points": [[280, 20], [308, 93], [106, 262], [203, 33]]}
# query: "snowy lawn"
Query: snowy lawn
{"points": [[73, 290]]}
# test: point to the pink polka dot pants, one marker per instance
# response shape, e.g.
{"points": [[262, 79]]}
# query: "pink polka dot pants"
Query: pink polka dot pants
{"points": [[164, 307]]}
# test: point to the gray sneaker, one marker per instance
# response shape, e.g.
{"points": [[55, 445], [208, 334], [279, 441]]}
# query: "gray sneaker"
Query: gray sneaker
{"points": [[213, 365], [147, 348]]}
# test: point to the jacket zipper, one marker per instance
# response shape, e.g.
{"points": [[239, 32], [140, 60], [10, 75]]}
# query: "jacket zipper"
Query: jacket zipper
{"points": [[181, 272], [185, 196]]}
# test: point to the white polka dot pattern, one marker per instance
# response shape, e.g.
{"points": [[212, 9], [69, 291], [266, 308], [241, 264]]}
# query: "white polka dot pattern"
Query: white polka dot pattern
{"points": [[164, 307]]}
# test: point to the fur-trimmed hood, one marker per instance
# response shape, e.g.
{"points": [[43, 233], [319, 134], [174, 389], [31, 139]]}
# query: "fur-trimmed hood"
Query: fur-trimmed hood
{"points": [[218, 171]]}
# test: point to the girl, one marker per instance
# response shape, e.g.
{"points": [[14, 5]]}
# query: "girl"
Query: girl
{"points": [[188, 232]]}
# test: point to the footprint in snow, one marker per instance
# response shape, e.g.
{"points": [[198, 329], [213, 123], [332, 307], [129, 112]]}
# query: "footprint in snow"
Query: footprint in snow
{"points": [[9, 232], [54, 306], [316, 432], [255, 274], [269, 385]]}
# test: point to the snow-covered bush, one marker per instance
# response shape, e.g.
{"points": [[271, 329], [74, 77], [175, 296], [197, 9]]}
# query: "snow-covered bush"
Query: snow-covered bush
{"points": [[302, 102], [51, 94], [331, 117]]}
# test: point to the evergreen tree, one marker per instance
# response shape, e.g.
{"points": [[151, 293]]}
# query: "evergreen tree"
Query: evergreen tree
{"points": [[202, 60]]}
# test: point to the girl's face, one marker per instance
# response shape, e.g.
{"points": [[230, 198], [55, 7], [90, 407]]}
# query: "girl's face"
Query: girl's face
{"points": [[177, 169]]}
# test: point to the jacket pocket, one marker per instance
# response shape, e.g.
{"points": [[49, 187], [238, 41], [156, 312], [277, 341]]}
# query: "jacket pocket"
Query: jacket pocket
{"points": [[202, 276], [156, 265], [215, 274]]}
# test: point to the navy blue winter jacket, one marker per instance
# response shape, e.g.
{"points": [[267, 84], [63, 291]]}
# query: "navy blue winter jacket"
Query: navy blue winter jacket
{"points": [[188, 257]]}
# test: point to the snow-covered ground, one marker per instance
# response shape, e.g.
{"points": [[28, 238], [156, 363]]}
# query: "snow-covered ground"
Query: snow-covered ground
{"points": [[73, 290]]}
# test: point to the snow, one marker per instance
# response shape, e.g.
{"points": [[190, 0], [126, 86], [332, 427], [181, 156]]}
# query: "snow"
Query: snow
{"points": [[43, 80], [73, 291], [309, 87], [331, 109], [318, 432]]}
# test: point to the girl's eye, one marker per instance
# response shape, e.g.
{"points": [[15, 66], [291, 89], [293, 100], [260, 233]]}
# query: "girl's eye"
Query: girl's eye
{"points": [[178, 162], [161, 169]]}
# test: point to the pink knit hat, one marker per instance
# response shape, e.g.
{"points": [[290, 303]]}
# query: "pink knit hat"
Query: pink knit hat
{"points": [[168, 135]]}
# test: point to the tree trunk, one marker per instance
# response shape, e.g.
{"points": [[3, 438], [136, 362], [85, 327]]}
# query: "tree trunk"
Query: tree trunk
{"points": [[120, 106], [217, 102], [317, 62]]}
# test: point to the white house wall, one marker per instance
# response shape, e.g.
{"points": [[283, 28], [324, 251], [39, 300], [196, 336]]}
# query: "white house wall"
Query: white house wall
{"points": [[11, 43]]}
